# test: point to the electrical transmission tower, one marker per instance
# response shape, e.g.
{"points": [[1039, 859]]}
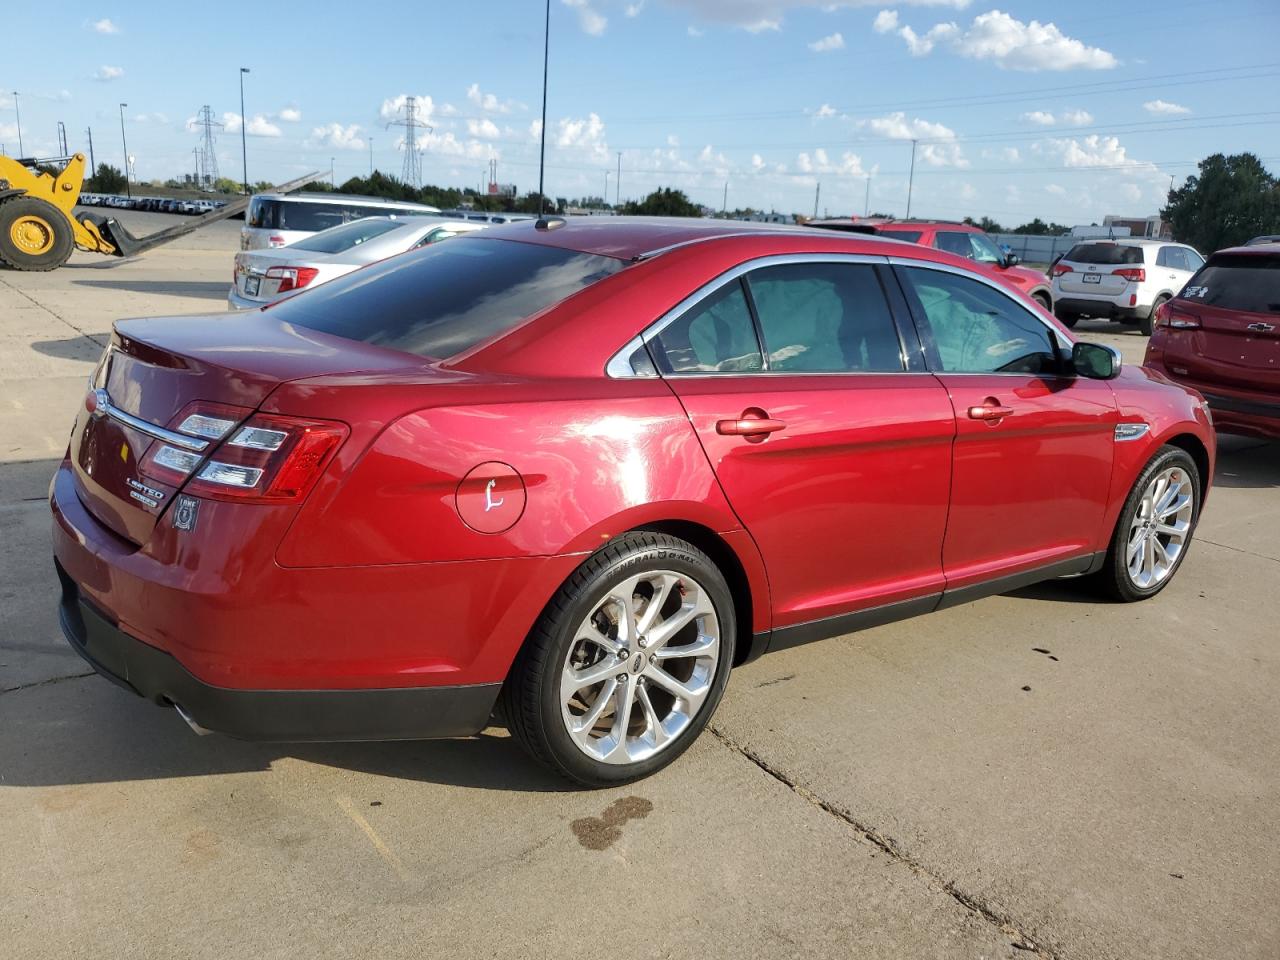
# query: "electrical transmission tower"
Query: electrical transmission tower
{"points": [[412, 172], [207, 158], [62, 140]]}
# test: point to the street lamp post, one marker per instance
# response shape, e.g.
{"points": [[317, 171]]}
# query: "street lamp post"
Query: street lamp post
{"points": [[911, 179], [244, 122], [125, 144], [18, 114]]}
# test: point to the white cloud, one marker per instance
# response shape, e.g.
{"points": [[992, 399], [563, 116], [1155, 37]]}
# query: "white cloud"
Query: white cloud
{"points": [[590, 20], [1072, 118], [1165, 108], [104, 26], [449, 145], [1010, 155], [1011, 44], [337, 137], [106, 73], [391, 109], [886, 21], [1041, 118], [150, 118], [824, 111], [260, 126], [633, 9], [1077, 118], [940, 151], [753, 13], [487, 102], [833, 42], [849, 164], [693, 31], [585, 135], [484, 128], [757, 161], [673, 140], [290, 114]]}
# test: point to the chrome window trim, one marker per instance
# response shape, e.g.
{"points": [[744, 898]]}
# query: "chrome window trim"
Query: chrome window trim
{"points": [[1058, 339], [619, 365], [109, 409], [619, 368]]}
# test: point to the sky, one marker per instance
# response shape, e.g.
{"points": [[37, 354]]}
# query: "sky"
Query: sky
{"points": [[1020, 109]]}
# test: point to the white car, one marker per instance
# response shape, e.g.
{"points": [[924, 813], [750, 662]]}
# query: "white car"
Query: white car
{"points": [[1123, 279], [279, 219], [263, 276]]}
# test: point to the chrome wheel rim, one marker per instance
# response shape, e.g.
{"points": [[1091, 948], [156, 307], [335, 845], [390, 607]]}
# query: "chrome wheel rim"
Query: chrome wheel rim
{"points": [[1161, 528], [640, 667]]}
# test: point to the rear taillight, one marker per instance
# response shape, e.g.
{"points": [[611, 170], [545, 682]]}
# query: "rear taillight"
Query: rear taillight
{"points": [[292, 278], [1167, 315], [1133, 274], [269, 459], [204, 424], [1061, 268]]}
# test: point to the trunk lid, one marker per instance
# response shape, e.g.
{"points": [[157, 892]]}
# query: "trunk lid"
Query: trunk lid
{"points": [[154, 368]]}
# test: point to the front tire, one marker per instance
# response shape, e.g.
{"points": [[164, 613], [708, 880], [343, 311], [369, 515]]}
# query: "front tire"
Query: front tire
{"points": [[1155, 527], [627, 663], [34, 234]]}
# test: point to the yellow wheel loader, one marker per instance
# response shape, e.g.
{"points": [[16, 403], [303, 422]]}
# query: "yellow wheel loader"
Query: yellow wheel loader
{"points": [[39, 228]]}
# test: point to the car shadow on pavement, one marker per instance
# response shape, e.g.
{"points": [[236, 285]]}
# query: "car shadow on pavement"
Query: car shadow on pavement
{"points": [[1246, 462], [208, 289], [74, 348], [86, 730]]}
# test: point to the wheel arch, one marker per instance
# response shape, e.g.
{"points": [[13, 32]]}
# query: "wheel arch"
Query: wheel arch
{"points": [[1198, 452]]}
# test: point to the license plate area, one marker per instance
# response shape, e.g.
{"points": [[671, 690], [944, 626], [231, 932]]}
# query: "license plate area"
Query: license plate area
{"points": [[1093, 278], [251, 285]]}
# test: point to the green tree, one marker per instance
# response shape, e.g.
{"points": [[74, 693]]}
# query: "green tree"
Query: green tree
{"points": [[1232, 199], [664, 202], [1038, 228], [107, 179], [986, 223]]}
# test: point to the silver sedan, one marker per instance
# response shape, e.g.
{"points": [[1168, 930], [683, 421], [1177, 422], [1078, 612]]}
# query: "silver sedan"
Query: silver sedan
{"points": [[264, 276]]}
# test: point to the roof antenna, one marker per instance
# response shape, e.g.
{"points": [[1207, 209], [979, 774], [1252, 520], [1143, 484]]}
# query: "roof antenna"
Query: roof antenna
{"points": [[542, 157]]}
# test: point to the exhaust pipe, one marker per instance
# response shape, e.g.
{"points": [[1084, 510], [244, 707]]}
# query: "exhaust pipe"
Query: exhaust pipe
{"points": [[199, 730]]}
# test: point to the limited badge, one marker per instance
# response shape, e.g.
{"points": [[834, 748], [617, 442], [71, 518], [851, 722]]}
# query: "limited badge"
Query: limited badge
{"points": [[185, 511]]}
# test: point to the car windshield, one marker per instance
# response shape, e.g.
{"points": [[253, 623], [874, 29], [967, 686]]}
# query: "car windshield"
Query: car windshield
{"points": [[338, 239], [1238, 281], [1104, 254], [446, 297]]}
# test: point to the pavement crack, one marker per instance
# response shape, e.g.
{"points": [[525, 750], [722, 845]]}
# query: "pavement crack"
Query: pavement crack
{"points": [[1248, 553], [53, 313], [47, 683], [980, 908]]}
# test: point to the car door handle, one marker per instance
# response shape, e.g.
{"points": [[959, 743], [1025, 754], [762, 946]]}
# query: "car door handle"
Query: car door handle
{"points": [[991, 409], [750, 427]]}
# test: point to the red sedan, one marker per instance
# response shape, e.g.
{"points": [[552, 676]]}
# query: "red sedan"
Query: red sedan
{"points": [[1221, 335], [586, 468]]}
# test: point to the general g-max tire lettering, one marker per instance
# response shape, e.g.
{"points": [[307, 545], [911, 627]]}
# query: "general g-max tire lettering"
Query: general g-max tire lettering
{"points": [[627, 663]]}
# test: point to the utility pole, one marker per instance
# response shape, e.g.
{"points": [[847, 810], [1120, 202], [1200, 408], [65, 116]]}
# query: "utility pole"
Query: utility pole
{"points": [[412, 170], [542, 153], [816, 194], [371, 156], [912, 178], [93, 167], [244, 144], [604, 199], [866, 203], [724, 204], [17, 113], [617, 183], [125, 144]]}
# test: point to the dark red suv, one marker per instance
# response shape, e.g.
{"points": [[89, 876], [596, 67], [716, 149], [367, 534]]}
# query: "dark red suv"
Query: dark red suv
{"points": [[963, 240], [587, 467], [1221, 335]]}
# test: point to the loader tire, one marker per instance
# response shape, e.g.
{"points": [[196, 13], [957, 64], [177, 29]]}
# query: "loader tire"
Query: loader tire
{"points": [[34, 234]]}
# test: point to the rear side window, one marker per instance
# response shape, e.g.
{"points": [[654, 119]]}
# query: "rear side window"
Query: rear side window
{"points": [[1237, 282], [345, 237], [825, 318], [716, 335], [1104, 254], [445, 298], [910, 236], [310, 216], [973, 328]]}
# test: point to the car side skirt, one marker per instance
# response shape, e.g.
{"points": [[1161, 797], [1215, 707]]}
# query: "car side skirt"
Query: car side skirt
{"points": [[801, 633]]}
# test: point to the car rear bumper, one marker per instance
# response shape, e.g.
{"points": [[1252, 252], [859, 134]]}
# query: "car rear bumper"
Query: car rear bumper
{"points": [[1101, 307], [237, 302]]}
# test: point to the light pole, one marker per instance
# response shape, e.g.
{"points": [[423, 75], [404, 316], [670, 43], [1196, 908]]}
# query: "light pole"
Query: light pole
{"points": [[542, 150], [125, 144], [244, 122], [617, 183], [866, 203], [605, 196], [371, 156], [18, 114], [912, 178]]}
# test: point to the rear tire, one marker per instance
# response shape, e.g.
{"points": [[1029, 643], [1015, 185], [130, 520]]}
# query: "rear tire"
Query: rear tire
{"points": [[1146, 324], [1067, 318], [34, 234], [610, 687], [1155, 527], [1044, 300]]}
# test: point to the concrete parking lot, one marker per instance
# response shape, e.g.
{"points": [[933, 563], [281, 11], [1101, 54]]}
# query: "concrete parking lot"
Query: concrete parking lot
{"points": [[1033, 774]]}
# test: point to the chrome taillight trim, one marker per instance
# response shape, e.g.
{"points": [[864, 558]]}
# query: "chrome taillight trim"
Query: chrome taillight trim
{"points": [[108, 409]]}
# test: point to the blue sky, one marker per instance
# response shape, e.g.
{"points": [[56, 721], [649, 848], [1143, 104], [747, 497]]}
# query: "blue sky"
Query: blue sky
{"points": [[1021, 109]]}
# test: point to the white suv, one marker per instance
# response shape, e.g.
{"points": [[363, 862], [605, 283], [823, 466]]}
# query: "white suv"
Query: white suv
{"points": [[1121, 280]]}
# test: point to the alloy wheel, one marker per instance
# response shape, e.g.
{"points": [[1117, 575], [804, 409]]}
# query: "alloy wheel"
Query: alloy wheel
{"points": [[1160, 528], [640, 667]]}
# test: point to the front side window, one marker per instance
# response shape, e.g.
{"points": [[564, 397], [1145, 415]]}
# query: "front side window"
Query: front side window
{"points": [[825, 318], [953, 241], [973, 328], [984, 251], [340, 239], [716, 335]]}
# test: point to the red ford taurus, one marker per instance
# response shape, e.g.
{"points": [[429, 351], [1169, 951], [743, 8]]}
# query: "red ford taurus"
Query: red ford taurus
{"points": [[582, 469]]}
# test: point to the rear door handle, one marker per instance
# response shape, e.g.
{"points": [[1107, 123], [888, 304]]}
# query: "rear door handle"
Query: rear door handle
{"points": [[991, 409]]}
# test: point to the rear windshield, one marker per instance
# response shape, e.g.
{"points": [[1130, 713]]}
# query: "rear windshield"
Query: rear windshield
{"points": [[1238, 281], [447, 297], [312, 217], [1107, 254], [338, 239], [911, 236]]}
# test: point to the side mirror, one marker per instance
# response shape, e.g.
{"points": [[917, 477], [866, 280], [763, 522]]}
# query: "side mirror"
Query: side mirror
{"points": [[1012, 260], [1096, 361]]}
